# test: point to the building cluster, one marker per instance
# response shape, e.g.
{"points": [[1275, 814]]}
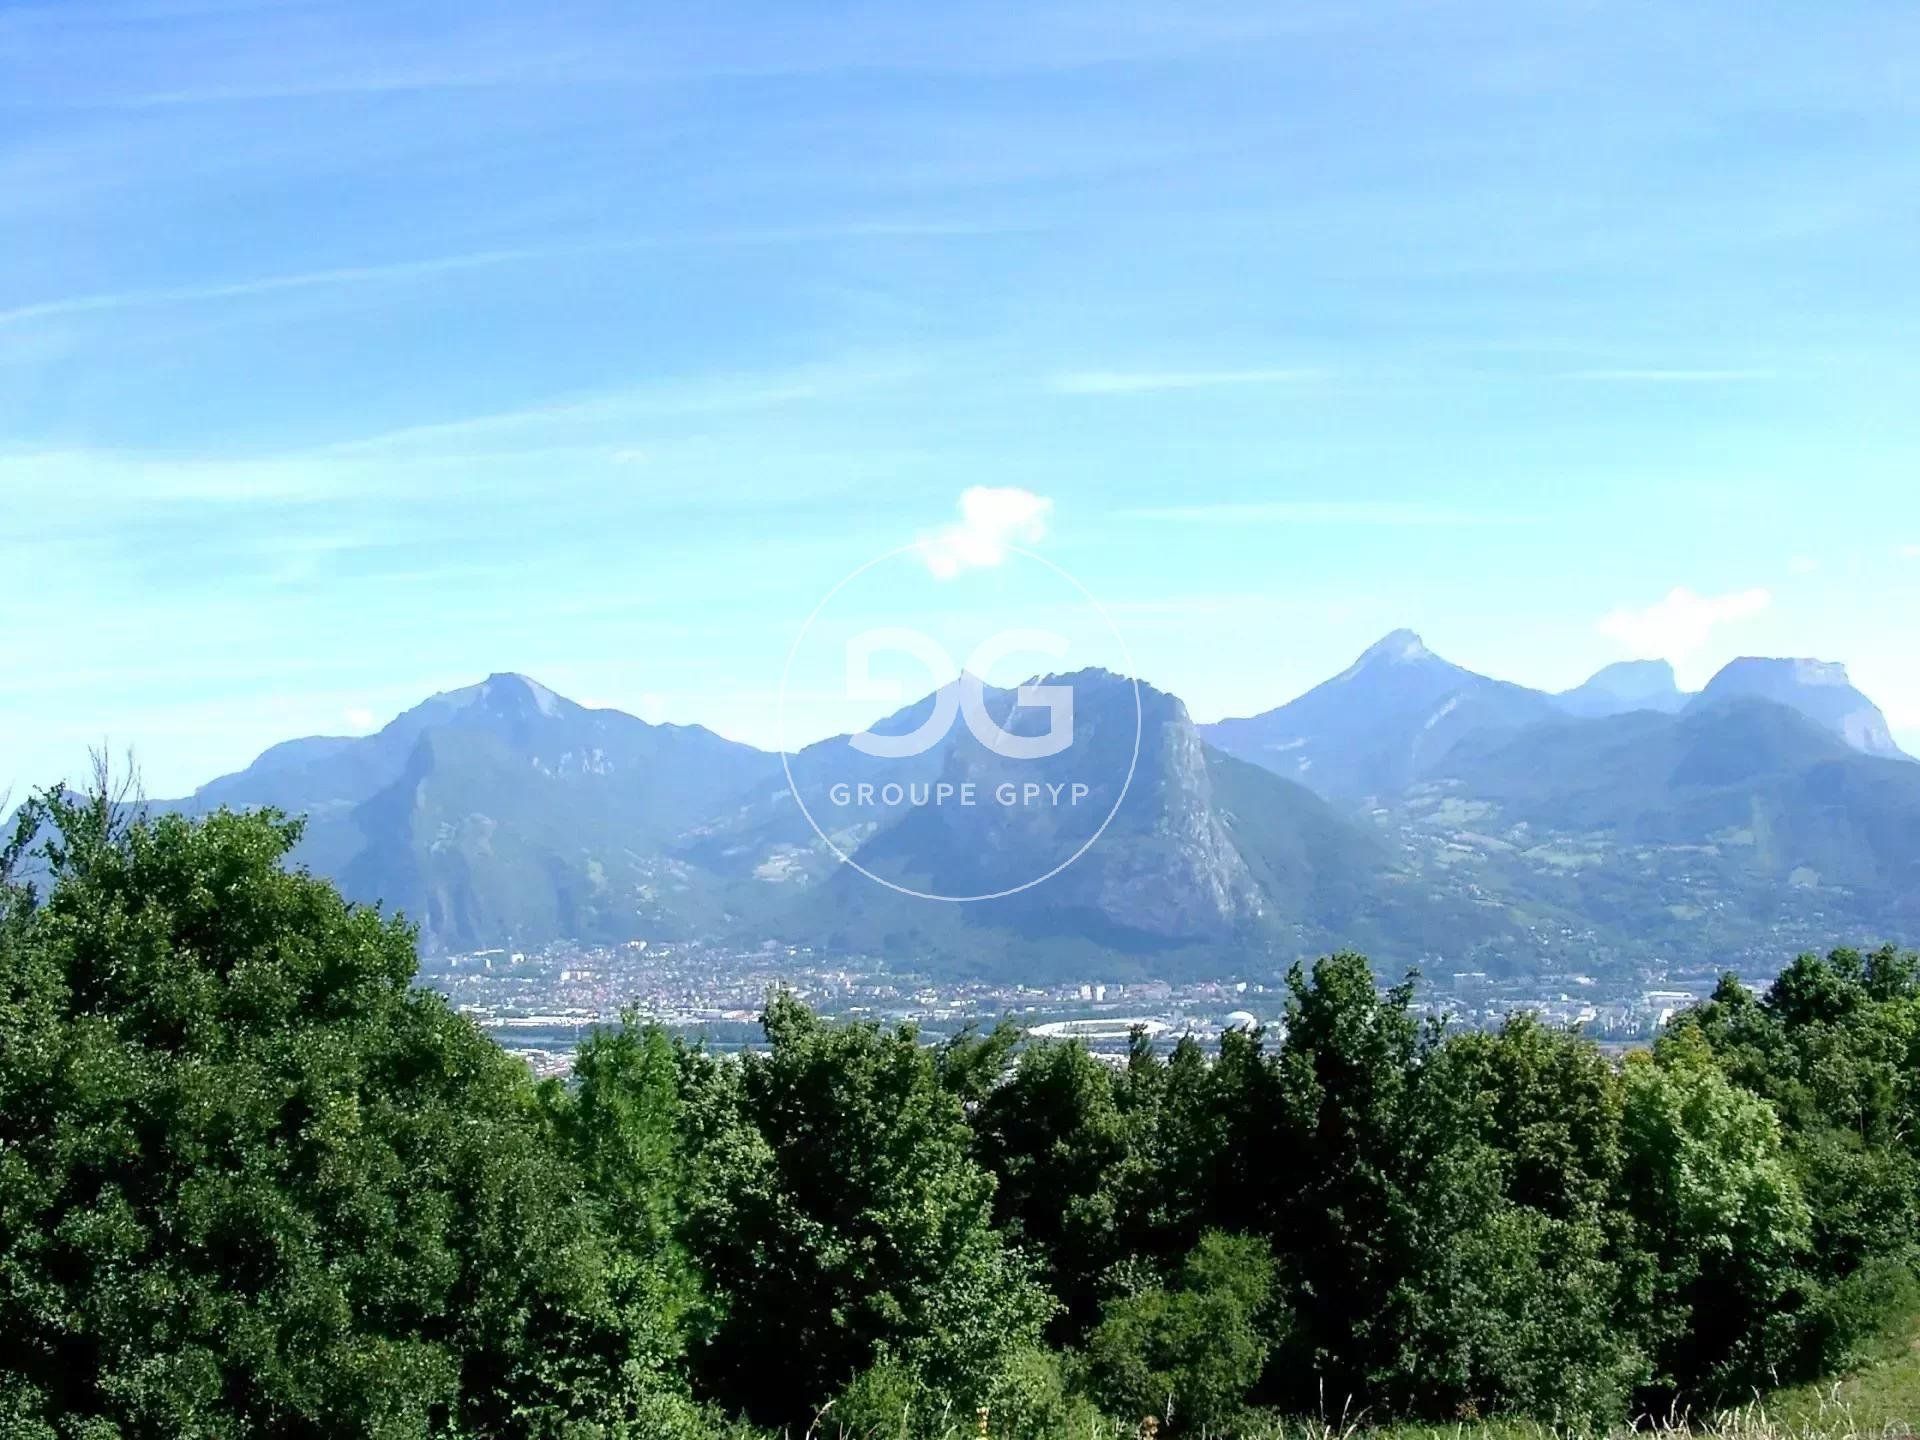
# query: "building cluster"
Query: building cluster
{"points": [[541, 1002]]}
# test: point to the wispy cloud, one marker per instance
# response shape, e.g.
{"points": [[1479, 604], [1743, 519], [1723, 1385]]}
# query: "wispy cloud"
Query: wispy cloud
{"points": [[1672, 377], [1405, 514], [1909, 552], [227, 54], [992, 521], [697, 395], [1678, 627], [215, 54], [429, 267], [266, 285], [1141, 382], [373, 83], [62, 476]]}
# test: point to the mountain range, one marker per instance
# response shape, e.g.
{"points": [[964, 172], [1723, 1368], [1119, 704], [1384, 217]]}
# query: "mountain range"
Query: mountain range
{"points": [[1407, 806]]}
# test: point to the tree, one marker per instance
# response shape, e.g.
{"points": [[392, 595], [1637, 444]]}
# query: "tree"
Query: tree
{"points": [[1190, 1353], [251, 1182], [1515, 1146], [1346, 1230], [1056, 1142], [1720, 1219], [1832, 1047], [621, 1122], [971, 1065], [842, 1219]]}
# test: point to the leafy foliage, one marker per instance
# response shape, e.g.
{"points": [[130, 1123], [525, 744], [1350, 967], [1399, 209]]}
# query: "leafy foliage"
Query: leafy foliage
{"points": [[1189, 1354], [253, 1183], [839, 1211]]}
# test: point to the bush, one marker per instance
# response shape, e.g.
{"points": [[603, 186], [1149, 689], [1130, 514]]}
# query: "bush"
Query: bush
{"points": [[1190, 1354], [1026, 1398]]}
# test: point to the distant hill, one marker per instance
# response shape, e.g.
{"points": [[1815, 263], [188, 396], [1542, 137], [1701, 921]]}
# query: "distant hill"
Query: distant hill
{"points": [[504, 812], [1748, 775], [1818, 689], [1731, 815], [1407, 806], [1380, 724], [1625, 687], [1205, 857]]}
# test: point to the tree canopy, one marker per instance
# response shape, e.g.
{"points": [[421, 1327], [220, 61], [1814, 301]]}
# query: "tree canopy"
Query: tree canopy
{"points": [[254, 1183]]}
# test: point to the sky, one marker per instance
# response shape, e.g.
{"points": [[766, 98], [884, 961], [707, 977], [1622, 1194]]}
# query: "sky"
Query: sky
{"points": [[351, 352]]}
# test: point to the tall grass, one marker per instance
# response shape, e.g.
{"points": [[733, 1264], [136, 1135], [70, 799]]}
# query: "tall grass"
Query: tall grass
{"points": [[1830, 1414], [1881, 1401]]}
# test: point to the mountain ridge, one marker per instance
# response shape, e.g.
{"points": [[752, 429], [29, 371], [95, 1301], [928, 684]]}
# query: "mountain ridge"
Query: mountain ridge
{"points": [[1373, 728], [1818, 689], [502, 811]]}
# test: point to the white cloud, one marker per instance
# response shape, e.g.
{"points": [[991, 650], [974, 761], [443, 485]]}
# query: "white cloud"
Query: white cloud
{"points": [[360, 719], [1910, 552], [1679, 627], [1803, 565], [992, 520], [1122, 382]]}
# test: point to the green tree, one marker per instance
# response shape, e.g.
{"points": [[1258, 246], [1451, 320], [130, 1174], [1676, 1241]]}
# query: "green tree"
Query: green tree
{"points": [[1721, 1220], [1347, 1226], [971, 1065], [1833, 1047], [1515, 1155], [1190, 1353], [620, 1121], [841, 1218], [251, 1182], [1058, 1145]]}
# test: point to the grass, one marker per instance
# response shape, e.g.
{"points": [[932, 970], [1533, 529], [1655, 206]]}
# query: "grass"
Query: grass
{"points": [[1881, 1401]]}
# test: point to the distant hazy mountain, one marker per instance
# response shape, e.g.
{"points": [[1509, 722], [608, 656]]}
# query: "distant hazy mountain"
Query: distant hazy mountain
{"points": [[1458, 819], [1379, 725], [1206, 860], [1625, 687], [761, 835], [1818, 689], [503, 812], [1165, 866], [1726, 806]]}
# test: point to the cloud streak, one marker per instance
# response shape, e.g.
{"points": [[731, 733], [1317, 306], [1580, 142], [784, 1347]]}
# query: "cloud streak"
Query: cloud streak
{"points": [[429, 267], [1672, 377], [690, 396], [109, 301], [1147, 382], [1390, 514]]}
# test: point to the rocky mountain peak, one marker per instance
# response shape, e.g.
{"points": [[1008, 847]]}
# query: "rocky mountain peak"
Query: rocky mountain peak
{"points": [[1400, 647]]}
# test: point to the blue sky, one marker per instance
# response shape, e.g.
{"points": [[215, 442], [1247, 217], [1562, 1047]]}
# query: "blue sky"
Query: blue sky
{"points": [[353, 351]]}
